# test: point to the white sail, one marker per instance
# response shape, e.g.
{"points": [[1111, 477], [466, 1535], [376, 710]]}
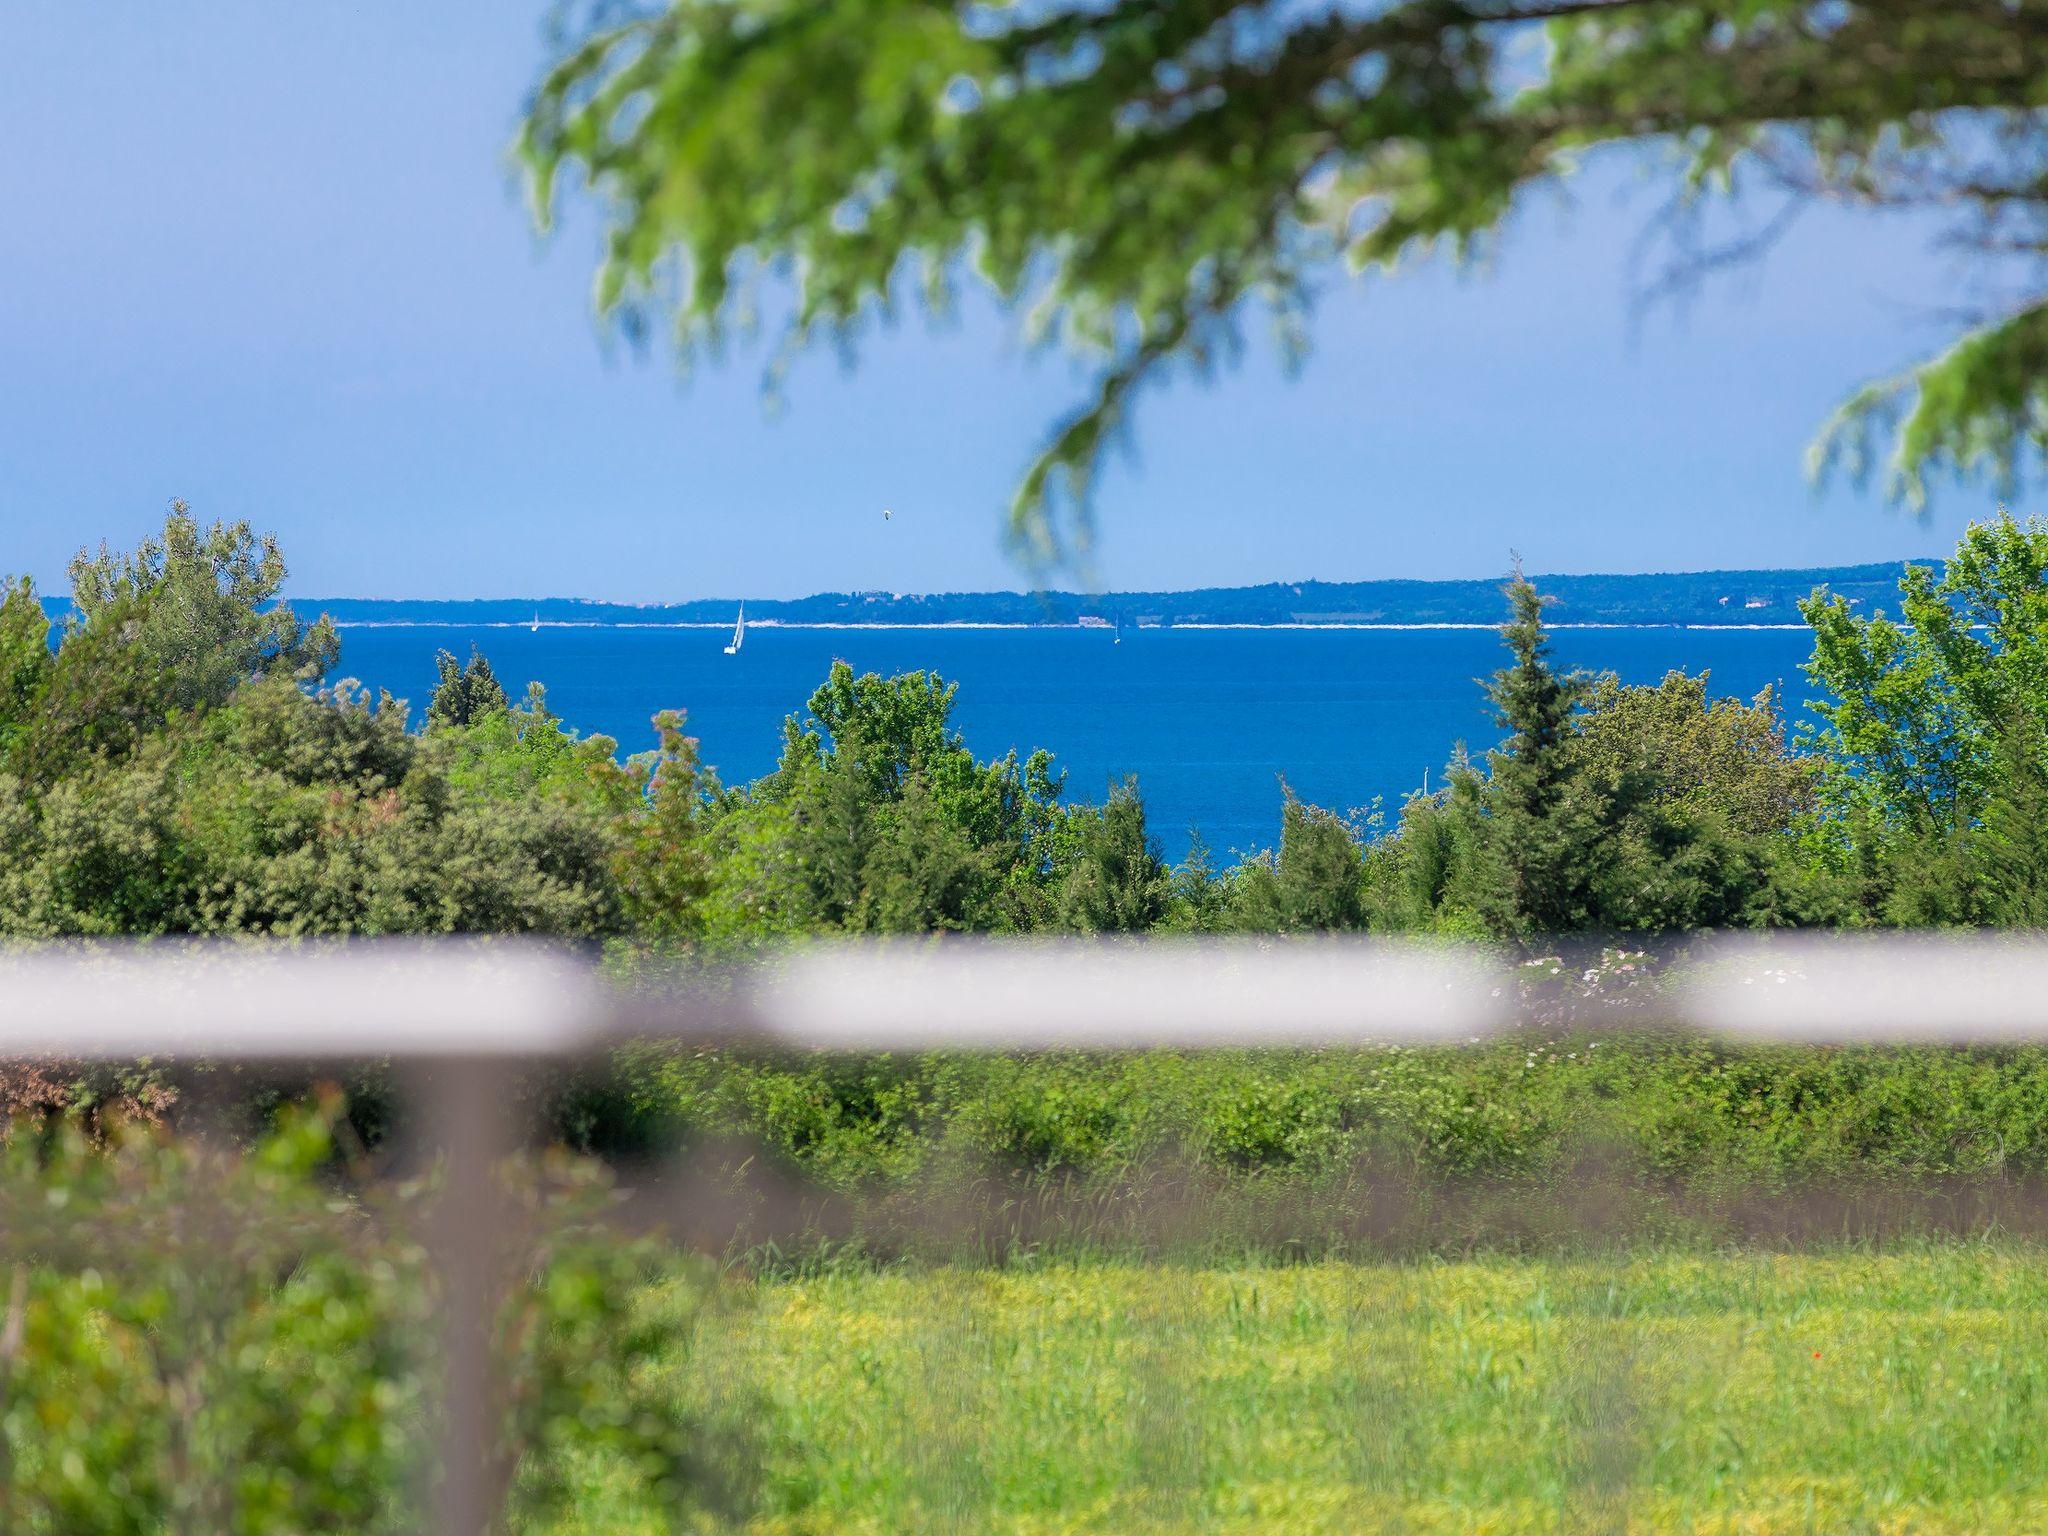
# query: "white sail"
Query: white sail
{"points": [[535, 626], [739, 633]]}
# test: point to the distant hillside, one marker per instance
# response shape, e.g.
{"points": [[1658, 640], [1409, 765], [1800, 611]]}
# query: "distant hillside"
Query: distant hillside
{"points": [[1691, 597]]}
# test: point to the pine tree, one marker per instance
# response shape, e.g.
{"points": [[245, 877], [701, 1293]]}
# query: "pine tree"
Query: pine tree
{"points": [[1550, 824], [486, 694], [1534, 703]]}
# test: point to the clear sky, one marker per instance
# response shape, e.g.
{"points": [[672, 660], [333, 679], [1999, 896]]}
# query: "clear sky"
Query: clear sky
{"points": [[269, 258]]}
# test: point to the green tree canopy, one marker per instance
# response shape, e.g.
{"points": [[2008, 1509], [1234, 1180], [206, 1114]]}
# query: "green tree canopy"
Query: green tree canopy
{"points": [[197, 605], [1132, 173], [171, 629], [896, 826], [1914, 707]]}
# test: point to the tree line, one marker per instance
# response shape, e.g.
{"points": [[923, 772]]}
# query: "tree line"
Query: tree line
{"points": [[170, 763]]}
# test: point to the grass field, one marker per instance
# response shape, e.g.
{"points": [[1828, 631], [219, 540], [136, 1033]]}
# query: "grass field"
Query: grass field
{"points": [[1903, 1391]]}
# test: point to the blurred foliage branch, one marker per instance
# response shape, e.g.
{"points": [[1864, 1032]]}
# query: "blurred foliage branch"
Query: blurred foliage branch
{"points": [[1132, 176]]}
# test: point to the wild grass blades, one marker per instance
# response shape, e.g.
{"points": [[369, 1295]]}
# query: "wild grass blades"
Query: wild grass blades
{"points": [[1682, 1390]]}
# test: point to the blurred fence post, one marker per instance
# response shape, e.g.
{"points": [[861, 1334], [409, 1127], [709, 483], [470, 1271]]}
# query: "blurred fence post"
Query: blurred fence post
{"points": [[465, 1102]]}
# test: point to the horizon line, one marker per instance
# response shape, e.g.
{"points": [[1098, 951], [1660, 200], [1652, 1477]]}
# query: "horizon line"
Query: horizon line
{"points": [[1105, 594]]}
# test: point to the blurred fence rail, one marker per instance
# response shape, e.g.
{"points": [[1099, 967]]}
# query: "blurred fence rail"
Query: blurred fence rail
{"points": [[455, 1018], [458, 998]]}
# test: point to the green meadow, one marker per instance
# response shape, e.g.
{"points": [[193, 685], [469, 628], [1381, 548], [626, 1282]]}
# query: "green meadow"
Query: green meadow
{"points": [[1878, 1391]]}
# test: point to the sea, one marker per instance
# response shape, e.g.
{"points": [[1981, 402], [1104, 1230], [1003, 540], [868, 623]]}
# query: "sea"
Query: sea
{"points": [[1211, 721]]}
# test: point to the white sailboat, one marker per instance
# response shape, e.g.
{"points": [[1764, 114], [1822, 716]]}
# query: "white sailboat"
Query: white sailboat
{"points": [[534, 627], [739, 633]]}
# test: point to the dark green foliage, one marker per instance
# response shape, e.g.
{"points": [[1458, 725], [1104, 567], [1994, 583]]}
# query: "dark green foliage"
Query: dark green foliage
{"points": [[1136, 174], [2009, 845], [253, 805], [465, 692], [1548, 820], [1608, 808], [166, 771], [1994, 870], [664, 862], [1691, 754], [1198, 900], [288, 813], [25, 663]]}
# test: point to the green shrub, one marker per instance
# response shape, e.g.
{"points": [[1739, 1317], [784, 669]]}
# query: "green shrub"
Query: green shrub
{"points": [[198, 1339], [1528, 1105]]}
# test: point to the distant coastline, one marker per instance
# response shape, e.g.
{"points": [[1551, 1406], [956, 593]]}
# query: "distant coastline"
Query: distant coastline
{"points": [[1761, 599], [1751, 599], [754, 624]]}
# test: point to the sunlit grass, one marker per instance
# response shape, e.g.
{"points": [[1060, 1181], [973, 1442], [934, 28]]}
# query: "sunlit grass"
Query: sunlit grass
{"points": [[1715, 1393]]}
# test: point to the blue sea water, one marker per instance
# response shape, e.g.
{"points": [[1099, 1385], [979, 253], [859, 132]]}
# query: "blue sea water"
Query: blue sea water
{"points": [[1210, 720]]}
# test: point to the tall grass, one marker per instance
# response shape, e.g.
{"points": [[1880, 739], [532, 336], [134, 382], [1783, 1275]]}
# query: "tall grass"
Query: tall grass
{"points": [[1677, 1391]]}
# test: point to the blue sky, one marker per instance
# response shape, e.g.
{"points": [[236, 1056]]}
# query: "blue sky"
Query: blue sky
{"points": [[269, 258]]}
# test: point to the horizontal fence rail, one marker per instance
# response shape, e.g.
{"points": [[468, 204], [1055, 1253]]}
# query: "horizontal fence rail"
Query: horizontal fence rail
{"points": [[458, 999], [457, 1015]]}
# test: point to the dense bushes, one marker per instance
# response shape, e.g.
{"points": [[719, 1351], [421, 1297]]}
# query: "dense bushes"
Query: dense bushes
{"points": [[1530, 1105], [197, 1340], [286, 813]]}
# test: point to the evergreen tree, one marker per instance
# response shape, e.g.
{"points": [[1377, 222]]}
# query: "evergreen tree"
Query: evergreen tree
{"points": [[1316, 883], [1199, 898], [465, 694], [1548, 822], [1320, 874], [172, 629], [1535, 704], [1117, 883], [896, 825], [196, 607]]}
